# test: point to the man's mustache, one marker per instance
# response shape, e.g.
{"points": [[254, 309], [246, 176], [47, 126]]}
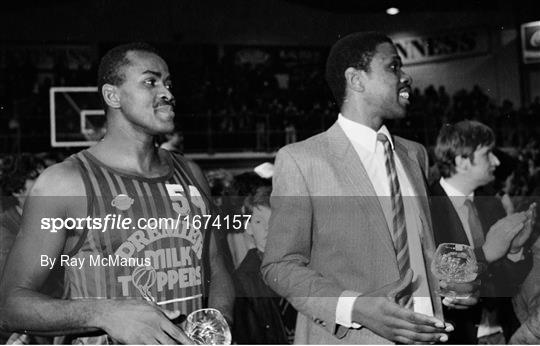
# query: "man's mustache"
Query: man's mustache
{"points": [[163, 102]]}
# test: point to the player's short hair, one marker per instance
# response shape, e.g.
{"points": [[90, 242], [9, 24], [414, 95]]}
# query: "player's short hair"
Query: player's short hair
{"points": [[354, 50], [460, 139], [111, 66]]}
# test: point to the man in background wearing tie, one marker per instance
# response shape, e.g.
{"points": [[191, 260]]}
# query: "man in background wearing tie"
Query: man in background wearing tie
{"points": [[350, 218], [465, 159]]}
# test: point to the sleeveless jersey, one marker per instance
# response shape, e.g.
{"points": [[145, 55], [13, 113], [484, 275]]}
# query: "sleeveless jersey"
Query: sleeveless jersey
{"points": [[159, 261]]}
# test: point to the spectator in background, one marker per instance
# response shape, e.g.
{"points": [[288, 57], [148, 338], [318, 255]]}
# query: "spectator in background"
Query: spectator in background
{"points": [[290, 131], [17, 176], [51, 157], [444, 100], [220, 182], [244, 186], [466, 162], [261, 316], [258, 318], [3, 197], [527, 303], [504, 180], [174, 141]]}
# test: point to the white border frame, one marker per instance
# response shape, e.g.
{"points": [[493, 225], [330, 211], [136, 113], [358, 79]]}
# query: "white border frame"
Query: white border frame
{"points": [[52, 107]]}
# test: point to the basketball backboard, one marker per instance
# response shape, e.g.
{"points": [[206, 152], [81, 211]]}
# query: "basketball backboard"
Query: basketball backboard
{"points": [[76, 116]]}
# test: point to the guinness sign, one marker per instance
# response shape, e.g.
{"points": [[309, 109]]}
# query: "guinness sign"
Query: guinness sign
{"points": [[452, 45]]}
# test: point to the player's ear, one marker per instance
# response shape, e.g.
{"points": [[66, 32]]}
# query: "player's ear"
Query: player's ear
{"points": [[110, 94], [353, 77]]}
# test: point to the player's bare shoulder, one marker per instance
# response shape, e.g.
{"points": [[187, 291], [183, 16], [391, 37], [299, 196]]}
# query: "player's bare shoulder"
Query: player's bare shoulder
{"points": [[59, 192], [61, 179]]}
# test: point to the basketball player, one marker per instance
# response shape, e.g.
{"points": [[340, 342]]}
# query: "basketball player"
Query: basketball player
{"points": [[123, 284]]}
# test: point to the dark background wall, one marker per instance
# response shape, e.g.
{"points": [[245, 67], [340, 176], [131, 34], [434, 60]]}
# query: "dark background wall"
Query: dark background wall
{"points": [[274, 22], [209, 21]]}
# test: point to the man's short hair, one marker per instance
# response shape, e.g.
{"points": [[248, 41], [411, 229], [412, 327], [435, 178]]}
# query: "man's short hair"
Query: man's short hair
{"points": [[460, 139], [111, 66], [354, 50]]}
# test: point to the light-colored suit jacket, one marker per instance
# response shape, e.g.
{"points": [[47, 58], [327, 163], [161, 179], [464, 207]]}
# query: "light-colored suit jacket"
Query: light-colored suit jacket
{"points": [[328, 232]]}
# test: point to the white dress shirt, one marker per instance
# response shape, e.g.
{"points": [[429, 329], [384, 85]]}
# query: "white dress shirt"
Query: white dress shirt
{"points": [[372, 156]]}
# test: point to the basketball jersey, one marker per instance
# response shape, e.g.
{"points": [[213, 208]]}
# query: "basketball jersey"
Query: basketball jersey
{"points": [[163, 262]]}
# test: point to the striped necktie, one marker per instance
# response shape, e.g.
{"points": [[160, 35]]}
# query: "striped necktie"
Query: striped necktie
{"points": [[475, 226], [398, 231]]}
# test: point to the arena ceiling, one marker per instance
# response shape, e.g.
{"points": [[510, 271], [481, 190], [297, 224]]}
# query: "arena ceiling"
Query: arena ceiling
{"points": [[340, 6], [362, 6]]}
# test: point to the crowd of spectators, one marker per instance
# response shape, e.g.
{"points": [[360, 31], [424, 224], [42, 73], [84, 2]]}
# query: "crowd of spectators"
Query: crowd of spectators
{"points": [[514, 127], [267, 124], [24, 98], [522, 185], [259, 124], [241, 107]]}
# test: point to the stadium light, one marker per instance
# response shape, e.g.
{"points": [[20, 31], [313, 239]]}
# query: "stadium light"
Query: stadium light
{"points": [[392, 11]]}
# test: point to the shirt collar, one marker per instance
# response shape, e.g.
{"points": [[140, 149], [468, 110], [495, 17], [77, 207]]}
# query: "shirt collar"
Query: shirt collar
{"points": [[360, 134], [458, 197]]}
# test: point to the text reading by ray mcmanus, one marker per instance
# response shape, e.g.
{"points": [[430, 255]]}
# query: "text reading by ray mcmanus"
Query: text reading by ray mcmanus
{"points": [[119, 222]]}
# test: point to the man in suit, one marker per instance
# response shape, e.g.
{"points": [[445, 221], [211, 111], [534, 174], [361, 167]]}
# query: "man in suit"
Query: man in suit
{"points": [[465, 159], [527, 302], [344, 246]]}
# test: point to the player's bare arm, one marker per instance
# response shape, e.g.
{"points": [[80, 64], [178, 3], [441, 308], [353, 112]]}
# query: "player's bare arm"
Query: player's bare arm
{"points": [[59, 193], [221, 285]]}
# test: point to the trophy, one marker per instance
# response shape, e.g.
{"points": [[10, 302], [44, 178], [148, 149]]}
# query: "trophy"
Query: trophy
{"points": [[208, 327], [456, 264]]}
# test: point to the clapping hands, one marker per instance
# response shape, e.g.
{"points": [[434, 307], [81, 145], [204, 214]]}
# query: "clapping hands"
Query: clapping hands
{"points": [[509, 234], [525, 233]]}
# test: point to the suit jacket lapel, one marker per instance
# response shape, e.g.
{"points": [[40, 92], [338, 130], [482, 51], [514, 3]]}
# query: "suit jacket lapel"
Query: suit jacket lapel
{"points": [[357, 180], [416, 178]]}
